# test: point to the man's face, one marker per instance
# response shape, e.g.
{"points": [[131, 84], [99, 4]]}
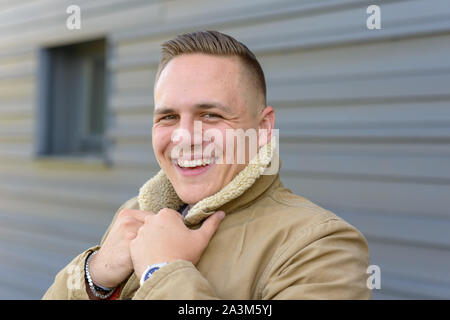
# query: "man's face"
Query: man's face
{"points": [[215, 92]]}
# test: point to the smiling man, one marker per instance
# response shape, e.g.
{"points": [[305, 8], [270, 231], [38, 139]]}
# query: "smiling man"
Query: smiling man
{"points": [[216, 221], [217, 92]]}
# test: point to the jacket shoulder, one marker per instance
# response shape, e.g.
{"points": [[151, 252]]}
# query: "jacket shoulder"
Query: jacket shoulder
{"points": [[297, 206], [130, 204], [324, 256], [300, 217]]}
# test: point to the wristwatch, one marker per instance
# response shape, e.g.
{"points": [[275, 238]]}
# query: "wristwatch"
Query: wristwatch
{"points": [[150, 270]]}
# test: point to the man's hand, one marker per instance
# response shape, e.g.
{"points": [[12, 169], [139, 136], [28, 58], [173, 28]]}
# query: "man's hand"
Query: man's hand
{"points": [[164, 238], [112, 264]]}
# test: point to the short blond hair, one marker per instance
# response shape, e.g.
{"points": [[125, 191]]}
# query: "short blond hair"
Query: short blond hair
{"points": [[213, 43]]}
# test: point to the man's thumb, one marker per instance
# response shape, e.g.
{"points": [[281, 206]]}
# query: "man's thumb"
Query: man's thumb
{"points": [[211, 224]]}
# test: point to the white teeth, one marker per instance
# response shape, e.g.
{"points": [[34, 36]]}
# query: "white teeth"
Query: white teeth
{"points": [[193, 163]]}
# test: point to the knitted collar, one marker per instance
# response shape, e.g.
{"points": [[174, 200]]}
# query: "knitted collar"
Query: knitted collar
{"points": [[158, 192]]}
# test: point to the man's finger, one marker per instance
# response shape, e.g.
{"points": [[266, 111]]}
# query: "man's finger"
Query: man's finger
{"points": [[211, 224], [171, 213]]}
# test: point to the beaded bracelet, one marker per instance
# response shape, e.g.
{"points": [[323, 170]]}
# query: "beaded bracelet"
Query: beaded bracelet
{"points": [[99, 292]]}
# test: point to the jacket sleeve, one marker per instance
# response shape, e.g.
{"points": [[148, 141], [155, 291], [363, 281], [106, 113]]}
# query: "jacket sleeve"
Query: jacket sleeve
{"points": [[178, 280], [69, 283], [327, 261]]}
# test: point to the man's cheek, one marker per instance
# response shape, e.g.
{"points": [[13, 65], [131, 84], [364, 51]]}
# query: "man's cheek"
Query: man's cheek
{"points": [[160, 141]]}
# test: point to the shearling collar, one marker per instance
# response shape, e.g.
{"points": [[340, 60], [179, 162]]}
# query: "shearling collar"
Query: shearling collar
{"points": [[158, 192]]}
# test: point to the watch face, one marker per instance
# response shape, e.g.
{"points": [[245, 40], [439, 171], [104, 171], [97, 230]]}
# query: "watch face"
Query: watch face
{"points": [[150, 272], [153, 270]]}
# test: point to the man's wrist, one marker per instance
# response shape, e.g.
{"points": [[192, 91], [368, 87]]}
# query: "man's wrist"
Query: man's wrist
{"points": [[98, 291], [102, 274]]}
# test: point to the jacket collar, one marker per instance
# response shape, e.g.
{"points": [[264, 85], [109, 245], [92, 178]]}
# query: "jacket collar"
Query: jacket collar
{"points": [[158, 192]]}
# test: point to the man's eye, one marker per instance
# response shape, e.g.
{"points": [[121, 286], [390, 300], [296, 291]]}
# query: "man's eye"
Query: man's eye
{"points": [[211, 115], [168, 117]]}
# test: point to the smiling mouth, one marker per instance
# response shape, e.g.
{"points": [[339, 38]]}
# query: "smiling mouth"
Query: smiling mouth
{"points": [[194, 163], [193, 167]]}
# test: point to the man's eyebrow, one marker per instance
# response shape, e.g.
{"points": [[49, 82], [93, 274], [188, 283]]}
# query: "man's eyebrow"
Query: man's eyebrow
{"points": [[163, 110], [200, 106], [212, 105]]}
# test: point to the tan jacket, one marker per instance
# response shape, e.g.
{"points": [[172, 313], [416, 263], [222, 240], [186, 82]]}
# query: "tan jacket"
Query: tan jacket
{"points": [[272, 244]]}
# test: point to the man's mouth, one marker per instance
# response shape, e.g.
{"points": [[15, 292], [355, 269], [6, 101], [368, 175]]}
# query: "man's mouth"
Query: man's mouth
{"points": [[193, 163], [193, 167]]}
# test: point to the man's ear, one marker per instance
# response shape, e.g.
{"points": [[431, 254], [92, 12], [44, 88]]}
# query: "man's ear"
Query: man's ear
{"points": [[266, 124]]}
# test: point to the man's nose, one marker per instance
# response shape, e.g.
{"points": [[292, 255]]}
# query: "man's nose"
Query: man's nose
{"points": [[192, 127], [189, 135], [187, 125]]}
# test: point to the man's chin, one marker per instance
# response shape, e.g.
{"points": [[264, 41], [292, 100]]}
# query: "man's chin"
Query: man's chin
{"points": [[192, 195]]}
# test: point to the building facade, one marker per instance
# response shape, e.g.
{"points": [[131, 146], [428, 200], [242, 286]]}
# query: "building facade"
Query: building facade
{"points": [[363, 114]]}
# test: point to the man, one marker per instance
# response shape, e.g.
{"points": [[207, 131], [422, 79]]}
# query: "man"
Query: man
{"points": [[206, 228]]}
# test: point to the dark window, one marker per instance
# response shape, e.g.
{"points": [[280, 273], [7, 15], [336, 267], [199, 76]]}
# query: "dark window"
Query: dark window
{"points": [[72, 105]]}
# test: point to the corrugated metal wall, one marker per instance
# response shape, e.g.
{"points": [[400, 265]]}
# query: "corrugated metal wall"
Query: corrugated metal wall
{"points": [[364, 119]]}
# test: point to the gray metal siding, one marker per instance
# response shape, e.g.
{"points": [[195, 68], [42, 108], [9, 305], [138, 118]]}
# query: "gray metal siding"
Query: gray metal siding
{"points": [[364, 119]]}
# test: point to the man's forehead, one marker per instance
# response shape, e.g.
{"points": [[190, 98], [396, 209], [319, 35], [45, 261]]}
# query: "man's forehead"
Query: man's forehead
{"points": [[199, 77]]}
